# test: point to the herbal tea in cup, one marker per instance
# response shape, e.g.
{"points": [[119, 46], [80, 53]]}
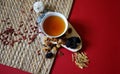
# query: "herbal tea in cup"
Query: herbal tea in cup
{"points": [[54, 24]]}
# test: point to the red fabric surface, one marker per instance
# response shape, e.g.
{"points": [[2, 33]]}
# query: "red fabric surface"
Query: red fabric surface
{"points": [[98, 24]]}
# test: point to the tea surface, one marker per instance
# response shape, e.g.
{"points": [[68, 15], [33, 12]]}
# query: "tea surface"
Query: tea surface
{"points": [[54, 25]]}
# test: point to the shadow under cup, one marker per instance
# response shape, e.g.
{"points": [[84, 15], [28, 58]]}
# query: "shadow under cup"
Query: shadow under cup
{"points": [[54, 24]]}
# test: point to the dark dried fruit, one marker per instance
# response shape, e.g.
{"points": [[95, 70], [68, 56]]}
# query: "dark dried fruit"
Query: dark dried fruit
{"points": [[76, 39], [49, 55], [68, 43], [73, 45], [69, 30], [72, 42]]}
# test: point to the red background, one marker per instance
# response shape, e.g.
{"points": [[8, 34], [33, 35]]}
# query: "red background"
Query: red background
{"points": [[98, 24]]}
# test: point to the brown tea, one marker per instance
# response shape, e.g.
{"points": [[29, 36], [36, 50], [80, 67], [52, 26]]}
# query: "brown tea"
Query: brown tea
{"points": [[54, 25]]}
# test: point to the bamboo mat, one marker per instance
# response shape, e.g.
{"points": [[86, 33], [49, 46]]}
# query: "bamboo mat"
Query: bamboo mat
{"points": [[23, 55]]}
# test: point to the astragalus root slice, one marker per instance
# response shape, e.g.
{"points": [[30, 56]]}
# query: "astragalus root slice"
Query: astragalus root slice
{"points": [[80, 59]]}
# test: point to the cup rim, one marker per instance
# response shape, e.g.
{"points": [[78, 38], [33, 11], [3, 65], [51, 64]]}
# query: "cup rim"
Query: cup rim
{"points": [[48, 14]]}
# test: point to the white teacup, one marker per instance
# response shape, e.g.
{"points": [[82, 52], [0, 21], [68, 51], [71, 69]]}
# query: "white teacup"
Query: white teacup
{"points": [[54, 28]]}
